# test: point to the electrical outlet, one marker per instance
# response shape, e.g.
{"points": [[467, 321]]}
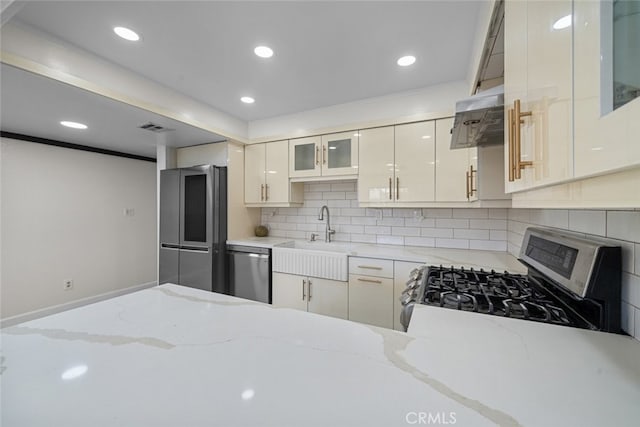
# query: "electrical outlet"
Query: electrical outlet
{"points": [[68, 284]]}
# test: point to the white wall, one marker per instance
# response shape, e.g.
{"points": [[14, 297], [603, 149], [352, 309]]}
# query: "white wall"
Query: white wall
{"points": [[63, 218], [426, 103]]}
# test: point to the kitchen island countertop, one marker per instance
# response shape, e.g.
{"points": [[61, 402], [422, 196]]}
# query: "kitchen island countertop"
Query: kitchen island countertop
{"points": [[174, 356]]}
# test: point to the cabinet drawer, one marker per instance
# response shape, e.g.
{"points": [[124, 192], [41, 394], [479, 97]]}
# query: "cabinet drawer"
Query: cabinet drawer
{"points": [[371, 267], [371, 300]]}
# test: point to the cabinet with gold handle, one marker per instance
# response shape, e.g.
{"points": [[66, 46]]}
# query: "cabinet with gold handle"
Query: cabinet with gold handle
{"points": [[390, 188], [266, 192], [262, 192], [360, 279], [324, 154], [516, 144], [317, 155], [397, 188]]}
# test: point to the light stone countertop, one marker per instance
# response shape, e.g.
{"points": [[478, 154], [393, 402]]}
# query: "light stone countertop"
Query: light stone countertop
{"points": [[177, 356], [468, 258]]}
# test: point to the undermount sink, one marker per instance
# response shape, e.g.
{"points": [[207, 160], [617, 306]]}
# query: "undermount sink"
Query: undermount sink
{"points": [[315, 259]]}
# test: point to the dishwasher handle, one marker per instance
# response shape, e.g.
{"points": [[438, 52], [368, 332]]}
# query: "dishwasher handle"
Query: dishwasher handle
{"points": [[252, 250]]}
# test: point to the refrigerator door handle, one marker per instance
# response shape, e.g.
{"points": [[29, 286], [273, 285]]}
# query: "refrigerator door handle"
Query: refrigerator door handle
{"points": [[169, 246], [199, 249]]}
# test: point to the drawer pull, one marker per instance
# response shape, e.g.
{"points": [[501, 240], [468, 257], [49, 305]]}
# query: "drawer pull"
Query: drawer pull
{"points": [[368, 267], [369, 280]]}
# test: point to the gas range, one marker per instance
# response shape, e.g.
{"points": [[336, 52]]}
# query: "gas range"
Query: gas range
{"points": [[570, 282]]}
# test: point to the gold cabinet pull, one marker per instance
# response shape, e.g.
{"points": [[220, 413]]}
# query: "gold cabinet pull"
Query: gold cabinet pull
{"points": [[397, 188], [304, 283], [262, 192], [512, 175], [324, 154], [472, 189], [360, 279], [390, 188], [309, 290], [266, 192], [317, 155], [368, 267], [517, 118], [468, 185]]}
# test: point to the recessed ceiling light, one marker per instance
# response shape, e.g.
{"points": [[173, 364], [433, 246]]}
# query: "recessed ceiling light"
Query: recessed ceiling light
{"points": [[405, 61], [562, 23], [247, 100], [73, 125], [263, 51], [126, 33]]}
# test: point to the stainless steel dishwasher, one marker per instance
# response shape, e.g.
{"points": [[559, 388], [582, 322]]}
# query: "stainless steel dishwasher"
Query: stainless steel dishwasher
{"points": [[250, 272]]}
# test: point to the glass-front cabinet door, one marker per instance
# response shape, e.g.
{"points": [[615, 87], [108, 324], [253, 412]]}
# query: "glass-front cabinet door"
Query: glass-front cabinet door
{"points": [[340, 154], [305, 157]]}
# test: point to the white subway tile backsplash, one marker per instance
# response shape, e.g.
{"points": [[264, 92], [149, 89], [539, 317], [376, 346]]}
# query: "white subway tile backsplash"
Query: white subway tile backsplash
{"points": [[398, 222], [390, 240], [498, 235], [452, 243], [471, 234], [489, 224], [363, 238], [437, 213], [587, 221], [380, 230], [452, 223], [363, 220], [437, 232], [343, 186], [353, 212], [471, 213], [351, 195], [420, 241], [420, 222], [557, 218], [358, 229], [296, 219], [312, 196], [320, 186], [333, 195], [405, 231], [488, 245], [627, 321], [520, 215], [624, 225], [631, 289], [339, 203], [498, 213], [307, 227]]}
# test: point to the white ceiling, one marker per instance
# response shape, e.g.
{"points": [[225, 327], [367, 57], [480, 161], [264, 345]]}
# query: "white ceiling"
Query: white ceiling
{"points": [[326, 53], [34, 105]]}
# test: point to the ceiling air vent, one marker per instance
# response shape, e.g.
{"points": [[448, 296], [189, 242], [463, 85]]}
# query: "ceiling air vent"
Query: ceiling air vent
{"points": [[154, 127]]}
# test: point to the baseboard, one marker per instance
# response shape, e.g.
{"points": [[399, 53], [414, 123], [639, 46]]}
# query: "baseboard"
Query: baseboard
{"points": [[36, 314]]}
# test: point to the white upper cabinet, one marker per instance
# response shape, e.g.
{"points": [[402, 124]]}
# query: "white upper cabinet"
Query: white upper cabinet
{"points": [[377, 171], [538, 94], [266, 175], [328, 155], [452, 166], [606, 138], [415, 162], [340, 154], [305, 157]]}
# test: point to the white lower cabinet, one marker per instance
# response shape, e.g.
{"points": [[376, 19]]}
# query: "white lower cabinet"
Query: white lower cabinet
{"points": [[371, 291], [312, 294], [401, 273]]}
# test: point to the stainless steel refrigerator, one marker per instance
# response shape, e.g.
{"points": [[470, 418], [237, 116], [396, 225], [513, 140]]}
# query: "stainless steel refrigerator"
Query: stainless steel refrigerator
{"points": [[193, 227]]}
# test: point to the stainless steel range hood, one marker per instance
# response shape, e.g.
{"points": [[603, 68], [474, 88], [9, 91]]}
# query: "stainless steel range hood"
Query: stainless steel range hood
{"points": [[479, 120]]}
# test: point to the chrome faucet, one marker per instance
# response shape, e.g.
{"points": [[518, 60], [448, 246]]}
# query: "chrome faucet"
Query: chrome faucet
{"points": [[328, 231]]}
